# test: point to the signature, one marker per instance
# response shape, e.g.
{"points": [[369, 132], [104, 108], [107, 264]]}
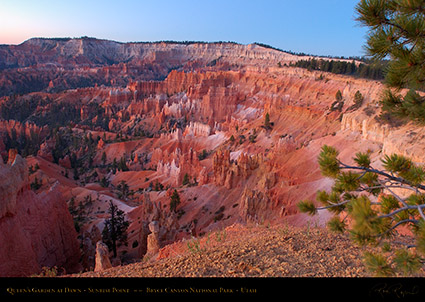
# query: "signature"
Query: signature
{"points": [[397, 290]]}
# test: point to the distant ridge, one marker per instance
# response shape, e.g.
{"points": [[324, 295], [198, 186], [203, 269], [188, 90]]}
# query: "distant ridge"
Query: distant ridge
{"points": [[185, 42], [190, 42]]}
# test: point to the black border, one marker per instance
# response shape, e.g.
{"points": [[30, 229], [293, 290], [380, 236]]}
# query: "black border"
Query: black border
{"points": [[376, 289]]}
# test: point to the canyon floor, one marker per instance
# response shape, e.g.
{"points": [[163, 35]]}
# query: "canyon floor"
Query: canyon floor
{"points": [[254, 251]]}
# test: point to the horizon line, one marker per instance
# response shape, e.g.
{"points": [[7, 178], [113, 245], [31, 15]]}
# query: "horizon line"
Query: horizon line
{"points": [[184, 42]]}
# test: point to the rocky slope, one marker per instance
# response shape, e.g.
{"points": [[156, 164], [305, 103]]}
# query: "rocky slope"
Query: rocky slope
{"points": [[253, 251], [199, 129]]}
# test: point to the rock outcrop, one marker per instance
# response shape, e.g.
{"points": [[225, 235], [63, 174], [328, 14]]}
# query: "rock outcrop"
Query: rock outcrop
{"points": [[37, 229], [102, 261], [14, 177], [404, 139], [152, 226], [153, 243], [254, 205]]}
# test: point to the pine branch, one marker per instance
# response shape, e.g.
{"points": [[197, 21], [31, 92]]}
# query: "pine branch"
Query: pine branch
{"points": [[395, 178], [398, 198], [333, 205], [419, 207], [396, 226]]}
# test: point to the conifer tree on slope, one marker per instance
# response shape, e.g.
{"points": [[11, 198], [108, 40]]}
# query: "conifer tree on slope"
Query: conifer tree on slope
{"points": [[115, 230], [397, 32]]}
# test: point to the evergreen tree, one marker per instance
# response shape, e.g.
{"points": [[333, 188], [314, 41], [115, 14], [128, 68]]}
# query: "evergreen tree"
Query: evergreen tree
{"points": [[185, 179], [375, 220], [76, 174], [122, 165], [123, 189], [174, 201], [397, 31], [358, 98], [203, 155], [115, 230], [267, 123], [36, 184], [114, 164], [104, 182], [103, 158], [338, 96]]}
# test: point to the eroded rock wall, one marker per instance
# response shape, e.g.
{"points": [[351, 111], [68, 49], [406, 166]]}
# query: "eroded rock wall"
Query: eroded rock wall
{"points": [[37, 229]]}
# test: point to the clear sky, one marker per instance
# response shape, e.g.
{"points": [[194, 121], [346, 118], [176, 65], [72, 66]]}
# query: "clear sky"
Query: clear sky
{"points": [[321, 27]]}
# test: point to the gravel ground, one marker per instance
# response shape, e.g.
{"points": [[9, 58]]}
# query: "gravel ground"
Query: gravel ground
{"points": [[278, 251]]}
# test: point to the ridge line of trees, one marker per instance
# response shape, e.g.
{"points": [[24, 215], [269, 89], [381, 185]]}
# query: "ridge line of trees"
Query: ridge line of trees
{"points": [[369, 71]]}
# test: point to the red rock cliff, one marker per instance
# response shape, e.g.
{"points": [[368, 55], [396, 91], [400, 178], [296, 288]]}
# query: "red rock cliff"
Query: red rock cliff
{"points": [[37, 229]]}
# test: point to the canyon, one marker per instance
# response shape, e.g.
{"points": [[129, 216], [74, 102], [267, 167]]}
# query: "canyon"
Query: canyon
{"points": [[89, 117]]}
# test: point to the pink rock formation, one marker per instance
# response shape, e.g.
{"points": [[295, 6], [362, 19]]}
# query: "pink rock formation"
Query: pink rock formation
{"points": [[153, 243], [37, 229], [102, 261]]}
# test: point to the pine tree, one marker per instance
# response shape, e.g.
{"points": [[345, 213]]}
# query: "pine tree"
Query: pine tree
{"points": [[185, 179], [115, 230], [267, 123], [174, 201], [36, 184], [122, 165], [397, 32], [375, 220], [123, 189], [338, 96], [358, 98], [104, 158]]}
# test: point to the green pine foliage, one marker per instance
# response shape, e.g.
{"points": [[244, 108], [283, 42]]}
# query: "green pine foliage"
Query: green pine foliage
{"points": [[368, 70], [396, 31], [174, 201], [406, 262], [368, 197], [186, 179], [336, 225], [338, 96], [362, 159], [267, 123], [328, 161], [379, 264], [307, 206]]}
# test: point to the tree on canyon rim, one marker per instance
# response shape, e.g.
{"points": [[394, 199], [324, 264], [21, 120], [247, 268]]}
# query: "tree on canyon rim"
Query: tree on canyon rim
{"points": [[115, 230], [397, 32], [371, 204]]}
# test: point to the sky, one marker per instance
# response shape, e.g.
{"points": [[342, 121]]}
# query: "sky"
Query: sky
{"points": [[320, 27]]}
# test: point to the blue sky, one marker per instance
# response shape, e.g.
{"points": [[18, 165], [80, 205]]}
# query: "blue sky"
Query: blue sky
{"points": [[322, 27]]}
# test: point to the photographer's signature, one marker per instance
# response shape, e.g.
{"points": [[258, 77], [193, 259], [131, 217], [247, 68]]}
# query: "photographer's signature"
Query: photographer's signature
{"points": [[397, 290]]}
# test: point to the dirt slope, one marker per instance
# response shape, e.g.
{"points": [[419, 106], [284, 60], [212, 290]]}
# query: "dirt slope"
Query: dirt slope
{"points": [[257, 251]]}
